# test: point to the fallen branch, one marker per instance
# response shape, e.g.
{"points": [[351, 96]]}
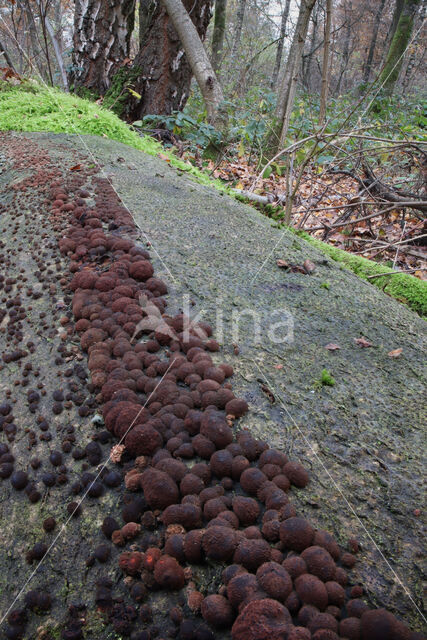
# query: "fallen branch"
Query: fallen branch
{"points": [[392, 273]]}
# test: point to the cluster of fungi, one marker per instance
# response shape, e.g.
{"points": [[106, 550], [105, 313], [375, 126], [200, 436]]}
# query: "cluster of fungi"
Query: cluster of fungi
{"points": [[197, 491]]}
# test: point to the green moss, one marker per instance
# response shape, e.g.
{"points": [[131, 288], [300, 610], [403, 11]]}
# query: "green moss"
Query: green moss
{"points": [[117, 94], [48, 109], [402, 286], [326, 379]]}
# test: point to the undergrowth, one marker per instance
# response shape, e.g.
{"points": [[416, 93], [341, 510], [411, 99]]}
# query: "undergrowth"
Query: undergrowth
{"points": [[30, 107]]}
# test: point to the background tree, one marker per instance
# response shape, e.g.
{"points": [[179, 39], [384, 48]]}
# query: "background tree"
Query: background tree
{"points": [[218, 33], [402, 34]]}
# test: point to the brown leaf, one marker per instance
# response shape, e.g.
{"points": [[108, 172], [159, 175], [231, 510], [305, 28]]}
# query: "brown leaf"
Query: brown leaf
{"points": [[332, 346], [162, 156], [77, 167], [278, 366], [283, 264], [363, 342], [309, 266], [395, 353]]}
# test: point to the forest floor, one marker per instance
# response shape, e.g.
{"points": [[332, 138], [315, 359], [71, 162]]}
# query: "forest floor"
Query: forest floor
{"points": [[338, 385]]}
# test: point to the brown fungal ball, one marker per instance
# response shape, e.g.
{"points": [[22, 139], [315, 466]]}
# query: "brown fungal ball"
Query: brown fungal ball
{"points": [[214, 427], [296, 474], [238, 466], [311, 590], [191, 485], [246, 509], [221, 463], [262, 619], [169, 574], [141, 270], [252, 479], [217, 611], [143, 440], [325, 539], [350, 628], [236, 407], [322, 621], [336, 593], [242, 587], [296, 533], [299, 633], [380, 624], [160, 490], [219, 543], [49, 524], [252, 553], [193, 546], [130, 562], [274, 580], [319, 562], [203, 446], [188, 515]]}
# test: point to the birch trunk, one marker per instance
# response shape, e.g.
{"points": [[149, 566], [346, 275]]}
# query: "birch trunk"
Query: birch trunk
{"points": [[325, 65], [279, 52]]}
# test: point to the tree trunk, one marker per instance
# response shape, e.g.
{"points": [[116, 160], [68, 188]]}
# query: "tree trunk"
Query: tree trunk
{"points": [[4, 53], [280, 44], [308, 58], [396, 15], [370, 58], [240, 15], [218, 33], [102, 31], [286, 94], [325, 66], [401, 38], [199, 63], [346, 51]]}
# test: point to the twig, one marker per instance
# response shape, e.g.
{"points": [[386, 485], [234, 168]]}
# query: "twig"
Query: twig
{"points": [[392, 273]]}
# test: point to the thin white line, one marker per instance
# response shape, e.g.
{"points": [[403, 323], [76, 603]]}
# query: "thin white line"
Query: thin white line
{"points": [[64, 526], [267, 258], [337, 487]]}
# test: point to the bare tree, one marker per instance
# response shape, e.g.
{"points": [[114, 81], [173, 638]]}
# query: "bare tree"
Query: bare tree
{"points": [[218, 33], [279, 52], [238, 30], [325, 66], [377, 20], [3, 52], [200, 64], [286, 94]]}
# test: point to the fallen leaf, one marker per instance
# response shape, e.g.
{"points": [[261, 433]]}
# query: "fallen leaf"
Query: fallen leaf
{"points": [[332, 346], [363, 342], [76, 167], [283, 264], [163, 157], [395, 353], [309, 266], [278, 366]]}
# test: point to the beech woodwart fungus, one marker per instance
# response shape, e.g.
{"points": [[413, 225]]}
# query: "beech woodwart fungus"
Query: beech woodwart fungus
{"points": [[215, 428], [143, 440], [169, 574], [274, 580], [319, 562], [242, 587], [262, 619], [188, 515], [236, 407], [380, 624], [296, 474], [160, 490], [219, 543], [217, 611], [311, 590], [246, 509], [252, 553], [252, 479], [296, 533]]}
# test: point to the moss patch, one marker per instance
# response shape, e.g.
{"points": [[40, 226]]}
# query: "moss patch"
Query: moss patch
{"points": [[48, 109], [117, 94], [401, 286]]}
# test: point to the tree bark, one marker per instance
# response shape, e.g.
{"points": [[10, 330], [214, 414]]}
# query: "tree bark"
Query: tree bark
{"points": [[102, 31], [218, 33], [313, 46], [240, 15], [346, 49], [370, 58], [4, 53], [279, 52], [393, 63], [199, 63], [286, 94], [161, 73], [325, 66]]}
